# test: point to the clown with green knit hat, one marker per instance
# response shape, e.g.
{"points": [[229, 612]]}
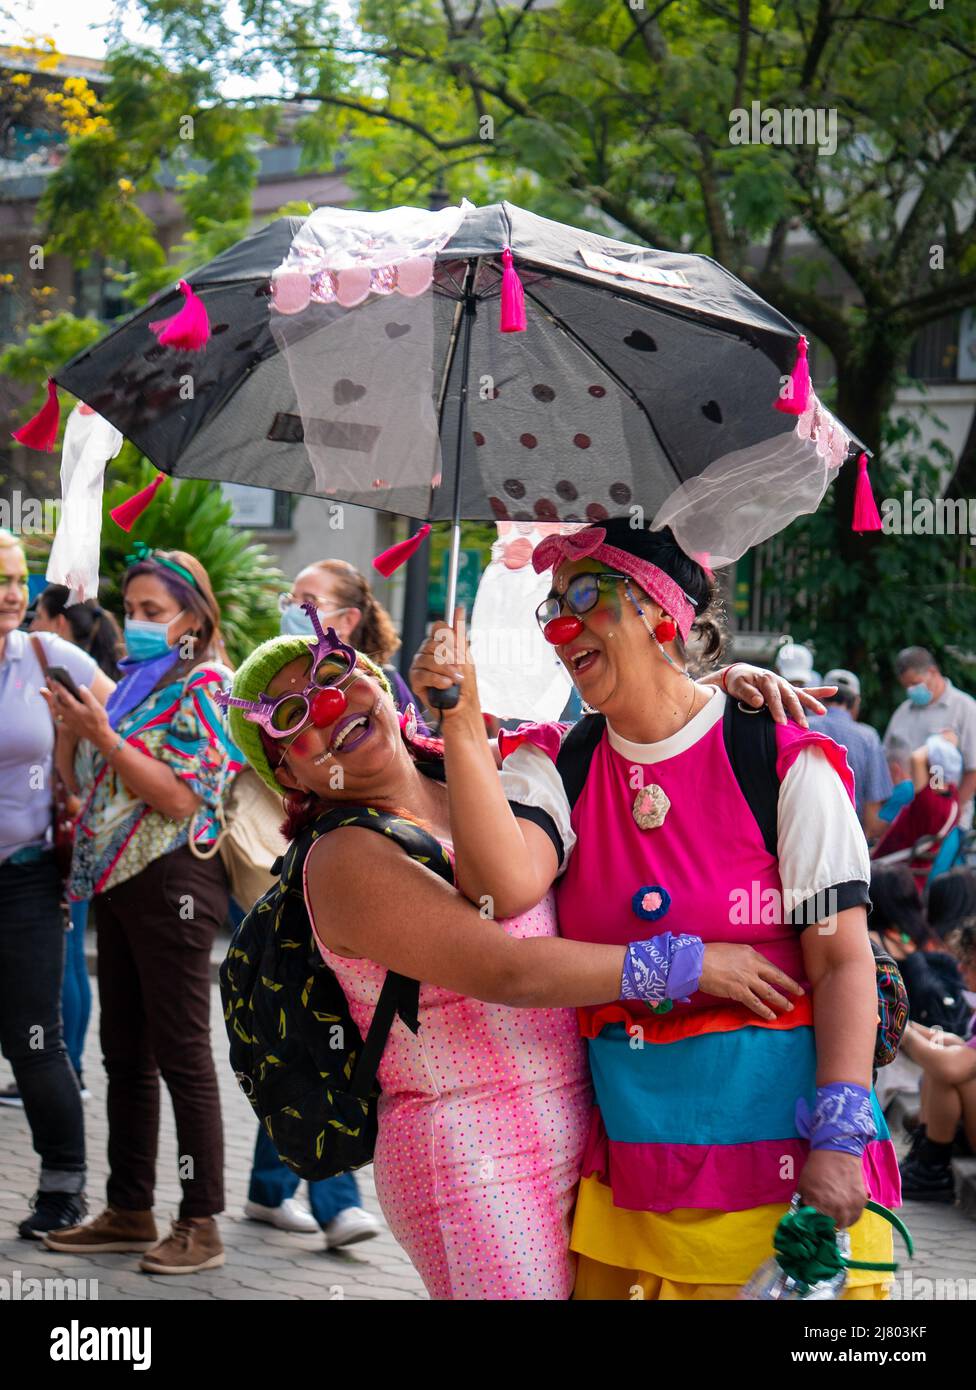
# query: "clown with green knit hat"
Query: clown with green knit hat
{"points": [[335, 1202]]}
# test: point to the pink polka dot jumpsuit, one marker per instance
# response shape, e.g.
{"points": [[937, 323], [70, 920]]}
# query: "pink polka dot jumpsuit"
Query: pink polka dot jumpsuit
{"points": [[482, 1123]]}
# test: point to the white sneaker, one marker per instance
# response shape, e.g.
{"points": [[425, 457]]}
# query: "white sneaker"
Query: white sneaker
{"points": [[350, 1227], [288, 1217]]}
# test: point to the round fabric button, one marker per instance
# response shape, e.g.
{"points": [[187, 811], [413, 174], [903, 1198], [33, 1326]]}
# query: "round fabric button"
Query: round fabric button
{"points": [[651, 902]]}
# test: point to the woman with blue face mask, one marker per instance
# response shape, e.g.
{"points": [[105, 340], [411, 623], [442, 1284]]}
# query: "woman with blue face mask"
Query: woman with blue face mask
{"points": [[153, 765], [345, 601]]}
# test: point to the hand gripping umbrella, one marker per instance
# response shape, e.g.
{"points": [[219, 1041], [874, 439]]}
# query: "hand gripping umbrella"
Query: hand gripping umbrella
{"points": [[479, 363]]}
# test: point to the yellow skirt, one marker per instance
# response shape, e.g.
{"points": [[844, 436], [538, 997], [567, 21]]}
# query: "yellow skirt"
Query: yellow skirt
{"points": [[695, 1254]]}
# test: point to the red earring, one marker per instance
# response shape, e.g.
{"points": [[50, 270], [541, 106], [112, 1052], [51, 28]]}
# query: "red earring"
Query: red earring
{"points": [[665, 630]]}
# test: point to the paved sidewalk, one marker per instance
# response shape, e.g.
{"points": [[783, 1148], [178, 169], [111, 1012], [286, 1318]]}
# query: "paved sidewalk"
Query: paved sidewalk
{"points": [[262, 1263], [266, 1264]]}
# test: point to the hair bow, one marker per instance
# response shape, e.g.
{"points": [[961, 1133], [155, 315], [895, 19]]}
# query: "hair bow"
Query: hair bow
{"points": [[549, 553], [140, 551]]}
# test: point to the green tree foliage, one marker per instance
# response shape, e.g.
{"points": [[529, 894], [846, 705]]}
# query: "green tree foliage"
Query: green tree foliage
{"points": [[609, 113], [194, 516]]}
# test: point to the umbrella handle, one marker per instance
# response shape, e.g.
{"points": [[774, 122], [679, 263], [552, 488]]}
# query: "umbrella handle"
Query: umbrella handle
{"points": [[444, 699]]}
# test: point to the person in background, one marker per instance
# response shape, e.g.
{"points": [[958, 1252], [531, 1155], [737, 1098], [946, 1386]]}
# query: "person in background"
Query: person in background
{"points": [[96, 632], [872, 780], [153, 766], [32, 920], [795, 664], [948, 1112], [931, 810], [951, 897], [933, 705], [345, 601], [935, 987]]}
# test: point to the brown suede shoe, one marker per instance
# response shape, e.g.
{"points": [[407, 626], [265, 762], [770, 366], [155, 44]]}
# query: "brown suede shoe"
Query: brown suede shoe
{"points": [[113, 1232], [193, 1243]]}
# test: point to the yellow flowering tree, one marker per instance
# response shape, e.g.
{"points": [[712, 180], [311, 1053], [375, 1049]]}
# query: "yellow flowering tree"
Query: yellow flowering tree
{"points": [[35, 95]]}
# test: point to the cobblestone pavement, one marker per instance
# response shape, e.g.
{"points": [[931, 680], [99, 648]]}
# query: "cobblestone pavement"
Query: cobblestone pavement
{"points": [[263, 1263]]}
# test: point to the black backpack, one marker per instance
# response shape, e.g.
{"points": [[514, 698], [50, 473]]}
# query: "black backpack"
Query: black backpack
{"points": [[750, 741], [294, 1048]]}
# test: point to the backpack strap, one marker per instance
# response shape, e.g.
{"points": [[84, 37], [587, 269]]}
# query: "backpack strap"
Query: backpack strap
{"points": [[574, 757], [399, 993], [750, 742]]}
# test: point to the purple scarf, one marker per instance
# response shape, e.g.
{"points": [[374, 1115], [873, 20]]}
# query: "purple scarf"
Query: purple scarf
{"points": [[138, 679]]}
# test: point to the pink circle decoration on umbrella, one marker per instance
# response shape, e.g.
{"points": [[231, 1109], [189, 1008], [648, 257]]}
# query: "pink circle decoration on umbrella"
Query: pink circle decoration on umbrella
{"points": [[352, 285], [291, 292], [414, 275]]}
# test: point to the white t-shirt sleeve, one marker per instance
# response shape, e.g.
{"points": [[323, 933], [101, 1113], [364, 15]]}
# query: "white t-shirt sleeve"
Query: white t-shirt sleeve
{"points": [[530, 779], [81, 667], [822, 849]]}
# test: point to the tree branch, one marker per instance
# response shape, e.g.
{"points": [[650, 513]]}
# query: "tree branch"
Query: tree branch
{"points": [[915, 313], [742, 61]]}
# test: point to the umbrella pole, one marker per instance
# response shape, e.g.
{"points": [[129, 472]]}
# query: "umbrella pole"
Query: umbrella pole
{"points": [[447, 699]]}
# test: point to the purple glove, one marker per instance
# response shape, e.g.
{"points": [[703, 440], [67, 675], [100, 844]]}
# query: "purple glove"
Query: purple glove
{"points": [[842, 1119], [663, 967]]}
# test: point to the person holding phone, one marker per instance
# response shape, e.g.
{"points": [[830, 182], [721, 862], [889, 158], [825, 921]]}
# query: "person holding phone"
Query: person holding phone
{"points": [[32, 919], [93, 629], [153, 766]]}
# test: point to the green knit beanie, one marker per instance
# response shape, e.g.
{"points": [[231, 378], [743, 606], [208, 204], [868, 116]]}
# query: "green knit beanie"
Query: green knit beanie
{"points": [[254, 676]]}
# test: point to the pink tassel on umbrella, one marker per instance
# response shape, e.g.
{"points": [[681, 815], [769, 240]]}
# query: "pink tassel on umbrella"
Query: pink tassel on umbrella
{"points": [[797, 398], [189, 329], [866, 514], [127, 513], [398, 554], [41, 431], [513, 297]]}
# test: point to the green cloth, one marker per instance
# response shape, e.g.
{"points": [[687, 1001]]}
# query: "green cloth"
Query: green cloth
{"points": [[254, 676]]}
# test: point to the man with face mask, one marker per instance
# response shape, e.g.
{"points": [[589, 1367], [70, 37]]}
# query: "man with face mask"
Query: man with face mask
{"points": [[933, 706]]}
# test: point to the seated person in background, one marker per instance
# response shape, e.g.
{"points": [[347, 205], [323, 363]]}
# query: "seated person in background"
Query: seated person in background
{"points": [[948, 1111], [951, 898], [936, 768], [932, 978]]}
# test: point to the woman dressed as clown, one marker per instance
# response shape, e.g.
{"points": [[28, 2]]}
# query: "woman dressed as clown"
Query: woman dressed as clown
{"points": [[484, 1110], [709, 1113]]}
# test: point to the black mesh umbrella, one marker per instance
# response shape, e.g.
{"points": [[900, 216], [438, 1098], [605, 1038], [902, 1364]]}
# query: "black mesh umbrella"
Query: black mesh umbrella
{"points": [[643, 378]]}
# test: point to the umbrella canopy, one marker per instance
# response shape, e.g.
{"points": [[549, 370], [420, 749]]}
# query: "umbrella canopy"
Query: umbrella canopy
{"points": [[639, 372]]}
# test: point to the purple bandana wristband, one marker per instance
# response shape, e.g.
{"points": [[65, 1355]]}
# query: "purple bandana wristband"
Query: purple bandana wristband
{"points": [[663, 967], [842, 1119]]}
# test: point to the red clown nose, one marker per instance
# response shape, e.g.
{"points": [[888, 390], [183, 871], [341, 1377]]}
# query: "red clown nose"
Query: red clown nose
{"points": [[559, 631], [327, 706]]}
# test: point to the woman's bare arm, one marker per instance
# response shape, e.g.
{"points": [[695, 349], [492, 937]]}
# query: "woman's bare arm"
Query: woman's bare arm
{"points": [[370, 899], [840, 967]]}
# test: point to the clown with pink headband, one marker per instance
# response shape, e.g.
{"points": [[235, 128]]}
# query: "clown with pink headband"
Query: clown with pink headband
{"points": [[680, 820]]}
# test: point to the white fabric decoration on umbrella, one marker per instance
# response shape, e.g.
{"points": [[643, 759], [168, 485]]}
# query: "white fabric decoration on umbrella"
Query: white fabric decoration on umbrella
{"points": [[351, 317], [519, 674], [747, 496], [89, 443]]}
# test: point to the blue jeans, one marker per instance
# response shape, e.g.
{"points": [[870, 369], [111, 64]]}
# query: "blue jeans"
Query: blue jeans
{"points": [[76, 990], [272, 1183], [32, 932]]}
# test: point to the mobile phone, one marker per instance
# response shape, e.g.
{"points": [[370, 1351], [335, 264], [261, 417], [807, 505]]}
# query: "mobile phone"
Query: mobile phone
{"points": [[63, 677]]}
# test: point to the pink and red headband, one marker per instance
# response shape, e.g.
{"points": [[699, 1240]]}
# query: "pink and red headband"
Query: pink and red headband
{"points": [[590, 544]]}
